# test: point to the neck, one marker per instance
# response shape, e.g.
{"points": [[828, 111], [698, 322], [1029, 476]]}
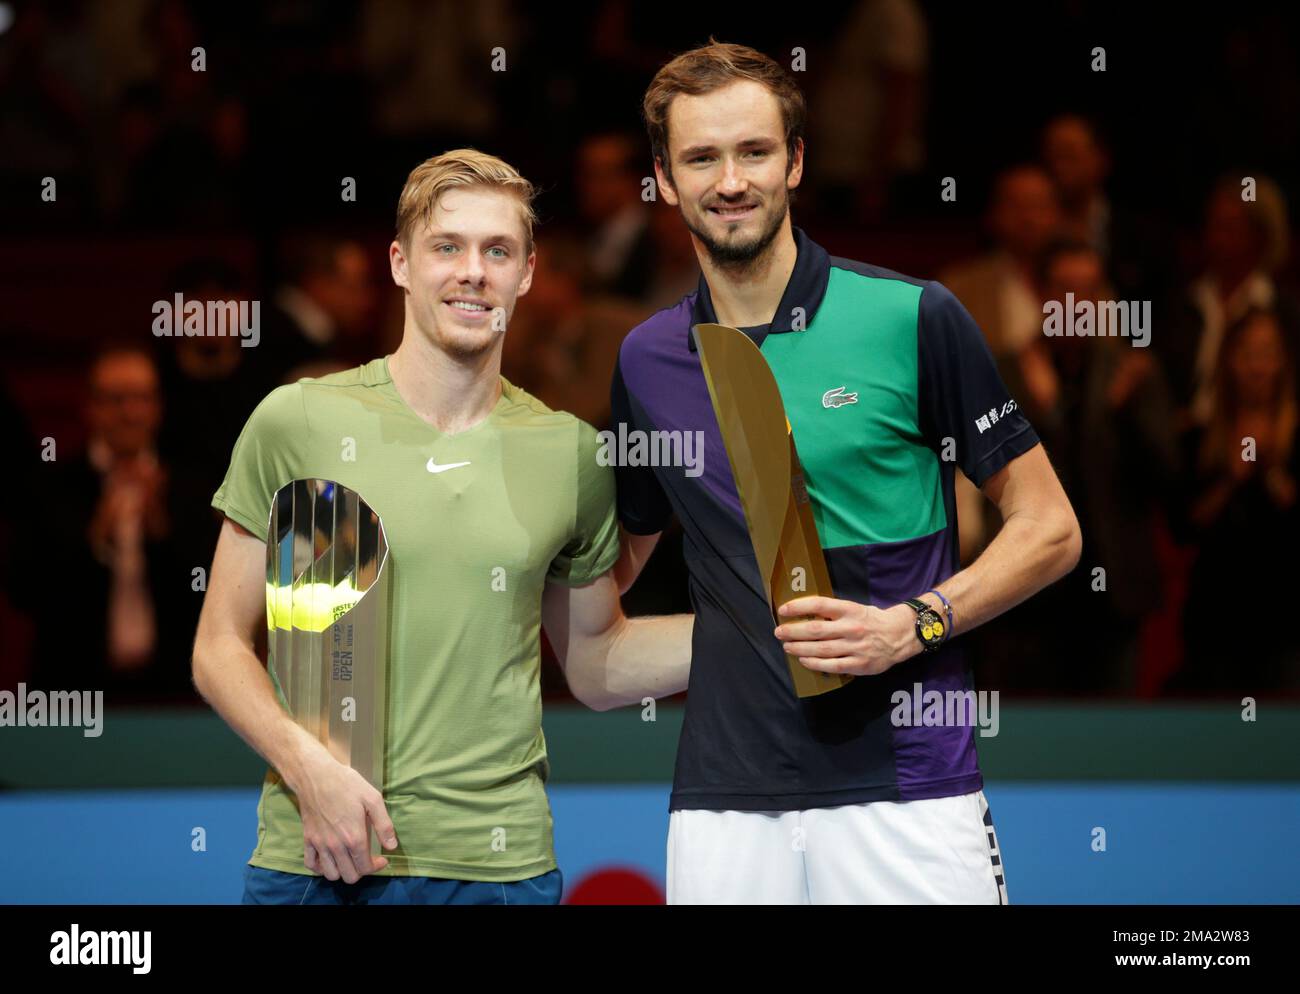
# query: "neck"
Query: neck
{"points": [[1230, 279], [451, 394], [747, 294]]}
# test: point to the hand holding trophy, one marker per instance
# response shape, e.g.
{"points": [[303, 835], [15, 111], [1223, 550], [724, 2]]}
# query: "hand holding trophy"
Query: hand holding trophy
{"points": [[327, 601]]}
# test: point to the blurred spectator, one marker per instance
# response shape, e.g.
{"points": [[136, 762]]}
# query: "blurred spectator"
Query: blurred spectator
{"points": [[1000, 287], [876, 80], [178, 122], [540, 350], [48, 74], [420, 55], [1134, 250], [318, 316], [1244, 244], [106, 593], [1078, 165], [1243, 518], [1103, 411], [619, 256], [677, 269], [210, 385], [628, 258]]}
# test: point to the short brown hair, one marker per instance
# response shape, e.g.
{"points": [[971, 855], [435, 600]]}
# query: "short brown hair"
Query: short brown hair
{"points": [[461, 167], [711, 67]]}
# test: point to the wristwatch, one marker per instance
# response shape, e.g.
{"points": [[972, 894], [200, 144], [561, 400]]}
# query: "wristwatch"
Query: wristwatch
{"points": [[930, 627]]}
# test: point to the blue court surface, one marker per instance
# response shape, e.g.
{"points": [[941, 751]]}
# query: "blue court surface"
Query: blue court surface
{"points": [[1165, 843]]}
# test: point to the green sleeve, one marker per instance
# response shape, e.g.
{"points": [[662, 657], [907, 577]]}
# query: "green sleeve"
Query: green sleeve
{"points": [[592, 549], [267, 455]]}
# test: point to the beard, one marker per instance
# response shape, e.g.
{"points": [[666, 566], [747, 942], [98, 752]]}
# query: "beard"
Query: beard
{"points": [[744, 251], [464, 348], [464, 345]]}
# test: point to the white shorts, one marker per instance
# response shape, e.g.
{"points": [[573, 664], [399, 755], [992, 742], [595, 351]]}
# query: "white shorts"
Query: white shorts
{"points": [[936, 851]]}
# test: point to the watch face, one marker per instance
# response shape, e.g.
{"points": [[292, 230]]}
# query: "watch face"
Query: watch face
{"points": [[931, 628]]}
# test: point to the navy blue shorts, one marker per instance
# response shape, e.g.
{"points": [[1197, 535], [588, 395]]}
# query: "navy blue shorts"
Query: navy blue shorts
{"points": [[263, 886]]}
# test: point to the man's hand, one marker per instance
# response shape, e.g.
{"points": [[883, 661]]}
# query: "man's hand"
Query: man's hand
{"points": [[847, 637], [339, 808], [337, 805], [1039, 542]]}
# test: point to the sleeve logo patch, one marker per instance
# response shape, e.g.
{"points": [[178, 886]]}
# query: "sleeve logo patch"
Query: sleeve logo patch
{"points": [[986, 421]]}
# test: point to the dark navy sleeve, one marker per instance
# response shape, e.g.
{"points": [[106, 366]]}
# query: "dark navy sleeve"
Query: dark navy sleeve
{"points": [[643, 507], [960, 394]]}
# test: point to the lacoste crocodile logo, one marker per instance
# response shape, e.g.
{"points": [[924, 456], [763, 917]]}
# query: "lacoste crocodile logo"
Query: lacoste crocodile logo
{"points": [[838, 398]]}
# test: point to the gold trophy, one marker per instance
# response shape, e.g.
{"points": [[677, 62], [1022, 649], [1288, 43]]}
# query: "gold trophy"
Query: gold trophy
{"points": [[327, 611], [769, 478]]}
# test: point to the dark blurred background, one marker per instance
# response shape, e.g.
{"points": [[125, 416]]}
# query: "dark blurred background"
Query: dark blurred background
{"points": [[228, 184]]}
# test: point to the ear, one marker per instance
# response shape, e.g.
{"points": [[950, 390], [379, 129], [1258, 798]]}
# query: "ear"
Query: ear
{"points": [[527, 281], [665, 187], [397, 262], [796, 167]]}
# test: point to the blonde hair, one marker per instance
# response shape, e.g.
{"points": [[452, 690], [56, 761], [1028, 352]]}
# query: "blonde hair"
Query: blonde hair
{"points": [[460, 168]]}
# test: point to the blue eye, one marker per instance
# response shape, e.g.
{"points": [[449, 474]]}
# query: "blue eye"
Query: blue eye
{"points": [[498, 248], [444, 246]]}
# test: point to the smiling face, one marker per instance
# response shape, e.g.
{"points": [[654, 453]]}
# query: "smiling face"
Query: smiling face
{"points": [[729, 178], [464, 270]]}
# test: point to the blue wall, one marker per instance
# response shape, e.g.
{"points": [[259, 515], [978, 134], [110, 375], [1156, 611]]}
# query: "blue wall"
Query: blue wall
{"points": [[1166, 843]]}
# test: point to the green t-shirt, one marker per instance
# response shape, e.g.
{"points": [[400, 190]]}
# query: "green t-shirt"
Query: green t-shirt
{"points": [[465, 756]]}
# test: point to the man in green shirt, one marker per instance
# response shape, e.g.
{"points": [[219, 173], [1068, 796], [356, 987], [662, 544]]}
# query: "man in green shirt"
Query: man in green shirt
{"points": [[499, 519]]}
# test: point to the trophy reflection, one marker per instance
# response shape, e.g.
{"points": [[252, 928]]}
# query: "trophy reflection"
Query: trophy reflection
{"points": [[327, 609]]}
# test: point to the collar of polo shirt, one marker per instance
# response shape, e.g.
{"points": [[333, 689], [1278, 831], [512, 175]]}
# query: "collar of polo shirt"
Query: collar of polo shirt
{"points": [[807, 287]]}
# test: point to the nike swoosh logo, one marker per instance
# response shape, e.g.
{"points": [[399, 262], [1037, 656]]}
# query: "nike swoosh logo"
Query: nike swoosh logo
{"points": [[433, 467]]}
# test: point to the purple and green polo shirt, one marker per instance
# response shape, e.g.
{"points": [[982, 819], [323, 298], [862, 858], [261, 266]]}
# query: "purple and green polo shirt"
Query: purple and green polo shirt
{"points": [[889, 386]]}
